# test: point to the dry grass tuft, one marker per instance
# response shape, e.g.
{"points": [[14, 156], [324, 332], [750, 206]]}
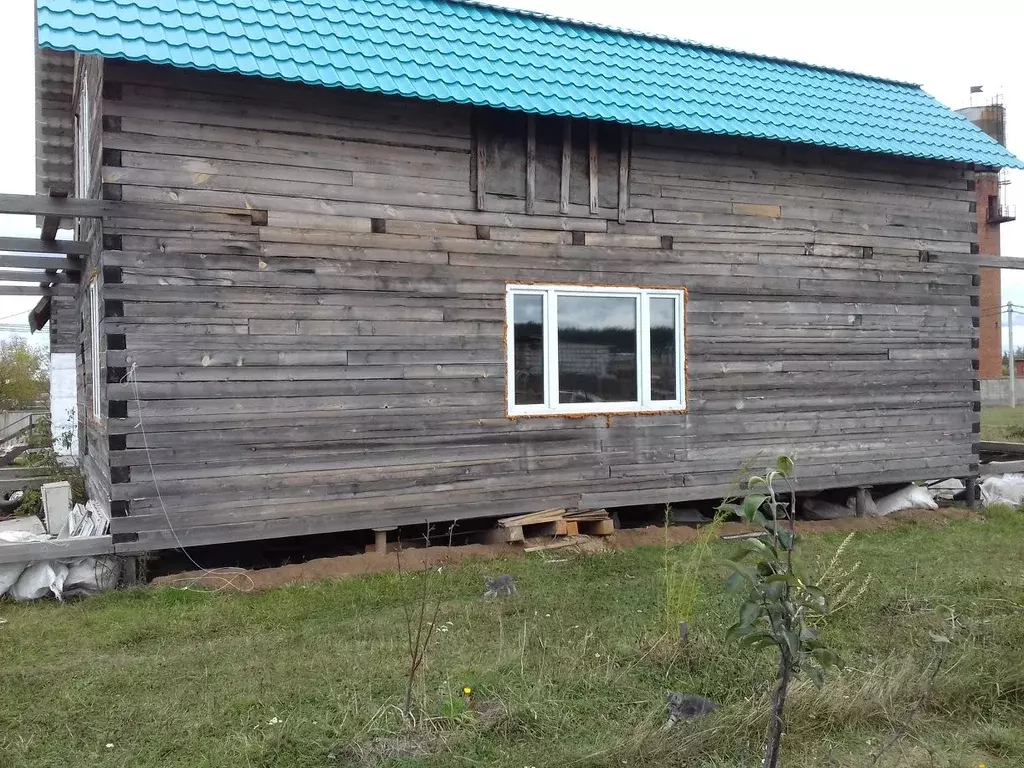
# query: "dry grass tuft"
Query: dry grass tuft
{"points": [[898, 696]]}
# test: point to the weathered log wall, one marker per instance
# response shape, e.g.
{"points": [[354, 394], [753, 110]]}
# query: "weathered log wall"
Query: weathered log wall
{"points": [[343, 366], [92, 432]]}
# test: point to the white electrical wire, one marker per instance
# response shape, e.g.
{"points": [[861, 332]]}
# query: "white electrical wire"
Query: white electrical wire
{"points": [[228, 576]]}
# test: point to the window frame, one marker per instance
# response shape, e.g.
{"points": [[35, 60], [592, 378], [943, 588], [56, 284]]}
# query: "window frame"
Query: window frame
{"points": [[83, 171], [551, 407], [95, 369]]}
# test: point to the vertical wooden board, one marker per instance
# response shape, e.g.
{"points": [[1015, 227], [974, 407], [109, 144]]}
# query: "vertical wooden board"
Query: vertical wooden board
{"points": [[608, 140], [549, 159], [531, 163], [563, 194], [579, 167], [480, 157], [504, 136], [624, 149], [593, 162], [474, 144]]}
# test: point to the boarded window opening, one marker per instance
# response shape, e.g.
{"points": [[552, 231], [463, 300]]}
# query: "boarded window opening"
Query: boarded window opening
{"points": [[502, 138]]}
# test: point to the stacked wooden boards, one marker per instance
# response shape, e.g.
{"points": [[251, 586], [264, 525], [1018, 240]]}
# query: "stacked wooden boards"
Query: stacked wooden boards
{"points": [[552, 523], [343, 366]]}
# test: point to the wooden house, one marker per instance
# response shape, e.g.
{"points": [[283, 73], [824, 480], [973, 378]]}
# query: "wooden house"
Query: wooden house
{"points": [[348, 264]]}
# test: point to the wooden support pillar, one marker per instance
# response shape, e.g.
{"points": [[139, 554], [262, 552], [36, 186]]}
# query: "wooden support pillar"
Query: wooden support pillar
{"points": [[380, 539], [863, 500], [971, 484], [128, 572]]}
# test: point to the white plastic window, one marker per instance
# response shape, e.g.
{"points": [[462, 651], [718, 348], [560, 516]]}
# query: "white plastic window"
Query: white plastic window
{"points": [[583, 349]]}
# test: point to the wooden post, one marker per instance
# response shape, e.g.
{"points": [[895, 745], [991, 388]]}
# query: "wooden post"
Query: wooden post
{"points": [[863, 499], [971, 484], [481, 165], [624, 173], [380, 539], [593, 166], [128, 575], [563, 192], [531, 163]]}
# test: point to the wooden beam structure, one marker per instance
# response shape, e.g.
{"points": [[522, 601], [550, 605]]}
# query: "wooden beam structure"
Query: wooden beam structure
{"points": [[50, 263], [32, 276], [39, 316], [18, 261], [51, 221], [31, 245], [27, 290]]}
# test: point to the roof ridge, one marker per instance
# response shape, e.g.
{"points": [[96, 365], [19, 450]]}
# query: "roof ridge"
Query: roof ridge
{"points": [[637, 34]]}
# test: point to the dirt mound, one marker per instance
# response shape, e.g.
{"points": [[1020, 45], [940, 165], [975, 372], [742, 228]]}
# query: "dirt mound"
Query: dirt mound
{"points": [[417, 558]]}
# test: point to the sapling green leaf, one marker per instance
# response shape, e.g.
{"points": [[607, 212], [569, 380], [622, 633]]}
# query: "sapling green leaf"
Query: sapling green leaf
{"points": [[779, 601], [751, 504], [785, 466]]}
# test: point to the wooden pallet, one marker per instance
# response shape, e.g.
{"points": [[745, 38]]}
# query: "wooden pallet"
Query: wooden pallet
{"points": [[593, 522], [551, 523]]}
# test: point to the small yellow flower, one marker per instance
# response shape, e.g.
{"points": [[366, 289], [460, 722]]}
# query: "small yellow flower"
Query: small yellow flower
{"points": [[466, 691]]}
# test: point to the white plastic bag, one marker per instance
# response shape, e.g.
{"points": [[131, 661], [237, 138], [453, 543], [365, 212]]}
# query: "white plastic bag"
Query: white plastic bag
{"points": [[911, 497], [1002, 489], [38, 579], [8, 575], [89, 576]]}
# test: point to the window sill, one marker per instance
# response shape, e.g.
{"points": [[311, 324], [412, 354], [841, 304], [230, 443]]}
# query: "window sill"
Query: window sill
{"points": [[597, 409]]}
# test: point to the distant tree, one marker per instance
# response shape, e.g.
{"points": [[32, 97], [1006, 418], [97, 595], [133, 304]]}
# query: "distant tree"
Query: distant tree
{"points": [[24, 378]]}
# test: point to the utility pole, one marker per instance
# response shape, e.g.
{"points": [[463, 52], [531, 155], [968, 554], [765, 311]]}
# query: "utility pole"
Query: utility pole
{"points": [[1013, 356]]}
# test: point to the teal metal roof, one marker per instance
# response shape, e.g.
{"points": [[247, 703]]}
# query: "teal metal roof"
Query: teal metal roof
{"points": [[487, 56]]}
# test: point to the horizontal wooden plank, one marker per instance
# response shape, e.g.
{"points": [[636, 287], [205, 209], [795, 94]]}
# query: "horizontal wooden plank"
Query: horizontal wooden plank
{"points": [[44, 263], [31, 276], [991, 262], [32, 245], [75, 207], [56, 549], [993, 468]]}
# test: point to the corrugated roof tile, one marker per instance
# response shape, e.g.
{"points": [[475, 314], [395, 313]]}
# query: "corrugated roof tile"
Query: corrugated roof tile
{"points": [[444, 50]]}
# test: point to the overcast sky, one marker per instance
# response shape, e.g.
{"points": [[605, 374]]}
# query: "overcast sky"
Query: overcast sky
{"points": [[946, 51]]}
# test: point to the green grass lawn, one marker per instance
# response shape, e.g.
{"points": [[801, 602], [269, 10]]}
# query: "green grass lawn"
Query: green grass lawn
{"points": [[572, 671], [1002, 423]]}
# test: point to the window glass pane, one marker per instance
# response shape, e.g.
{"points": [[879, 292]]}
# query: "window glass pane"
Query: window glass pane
{"points": [[528, 349], [597, 351], [663, 349]]}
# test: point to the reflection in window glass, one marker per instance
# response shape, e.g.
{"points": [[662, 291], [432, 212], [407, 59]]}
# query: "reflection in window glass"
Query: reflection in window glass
{"points": [[528, 348], [663, 349], [597, 354]]}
